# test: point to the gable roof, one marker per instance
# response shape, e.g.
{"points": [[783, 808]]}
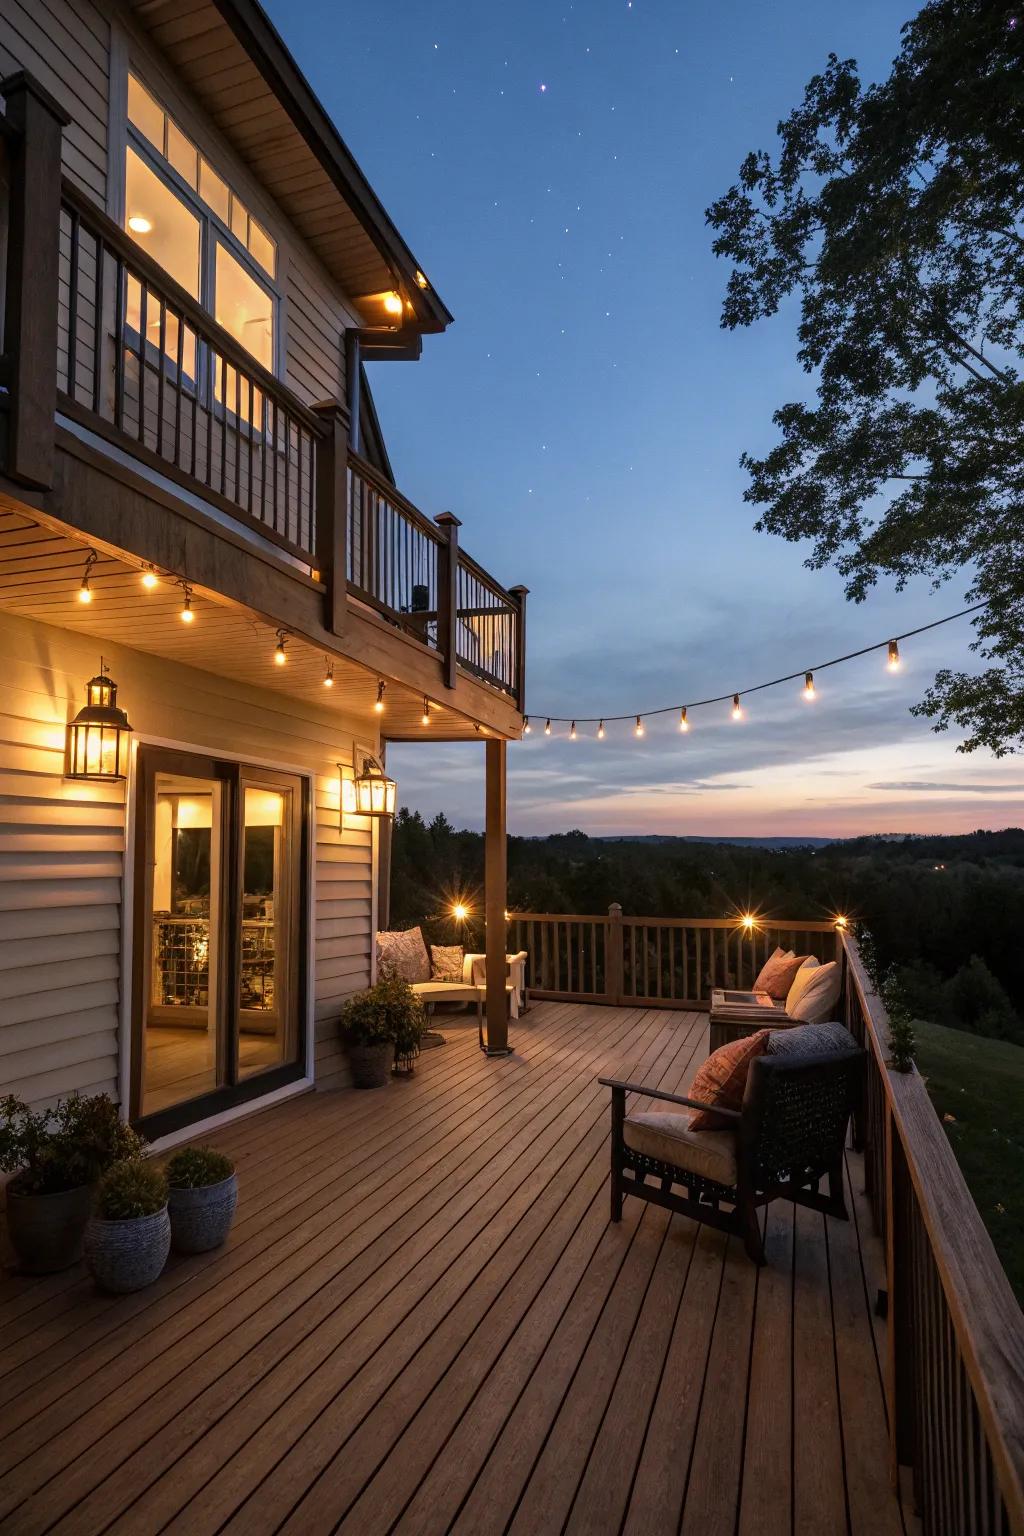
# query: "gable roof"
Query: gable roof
{"points": [[232, 58]]}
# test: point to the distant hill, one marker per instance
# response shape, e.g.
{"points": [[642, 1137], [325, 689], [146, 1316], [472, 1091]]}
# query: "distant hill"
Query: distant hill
{"points": [[732, 842]]}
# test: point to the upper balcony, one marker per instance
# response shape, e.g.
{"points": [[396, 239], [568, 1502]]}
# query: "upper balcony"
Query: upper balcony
{"points": [[102, 343]]}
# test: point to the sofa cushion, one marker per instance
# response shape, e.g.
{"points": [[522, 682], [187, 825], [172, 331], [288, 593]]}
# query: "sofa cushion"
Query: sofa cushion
{"points": [[446, 962], [818, 996], [811, 1040], [673, 1139], [404, 954], [722, 1079], [801, 980], [776, 975]]}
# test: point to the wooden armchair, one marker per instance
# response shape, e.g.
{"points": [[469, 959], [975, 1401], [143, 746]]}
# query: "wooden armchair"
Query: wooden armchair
{"points": [[789, 1134]]}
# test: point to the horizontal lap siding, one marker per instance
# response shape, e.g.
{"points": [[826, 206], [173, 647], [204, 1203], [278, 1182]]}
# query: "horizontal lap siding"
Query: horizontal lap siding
{"points": [[62, 852]]}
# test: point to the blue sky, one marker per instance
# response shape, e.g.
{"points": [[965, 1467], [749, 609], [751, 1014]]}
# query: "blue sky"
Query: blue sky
{"points": [[549, 164]]}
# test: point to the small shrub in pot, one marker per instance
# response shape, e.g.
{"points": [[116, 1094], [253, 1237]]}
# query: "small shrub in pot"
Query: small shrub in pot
{"points": [[202, 1195], [56, 1156], [375, 1025], [128, 1237]]}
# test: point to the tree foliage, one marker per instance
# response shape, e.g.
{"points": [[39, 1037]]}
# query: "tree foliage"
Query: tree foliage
{"points": [[893, 212]]}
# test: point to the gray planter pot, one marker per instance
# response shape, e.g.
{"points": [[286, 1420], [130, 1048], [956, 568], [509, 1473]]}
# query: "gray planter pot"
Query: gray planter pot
{"points": [[127, 1255], [370, 1064], [46, 1231], [201, 1218]]}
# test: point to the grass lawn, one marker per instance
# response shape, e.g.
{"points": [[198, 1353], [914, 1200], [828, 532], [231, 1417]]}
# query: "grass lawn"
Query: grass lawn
{"points": [[980, 1082]]}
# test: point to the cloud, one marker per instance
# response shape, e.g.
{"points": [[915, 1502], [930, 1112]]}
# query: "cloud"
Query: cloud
{"points": [[912, 785]]}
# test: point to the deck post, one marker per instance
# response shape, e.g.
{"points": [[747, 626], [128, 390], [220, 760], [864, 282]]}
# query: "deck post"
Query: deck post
{"points": [[495, 901], [520, 594], [332, 512], [448, 595], [33, 271], [613, 967]]}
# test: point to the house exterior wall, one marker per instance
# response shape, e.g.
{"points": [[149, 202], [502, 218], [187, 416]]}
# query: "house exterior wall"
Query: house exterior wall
{"points": [[63, 853], [80, 50]]}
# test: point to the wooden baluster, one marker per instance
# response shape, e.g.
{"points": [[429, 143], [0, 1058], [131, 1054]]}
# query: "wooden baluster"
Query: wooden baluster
{"points": [[613, 955], [447, 595]]}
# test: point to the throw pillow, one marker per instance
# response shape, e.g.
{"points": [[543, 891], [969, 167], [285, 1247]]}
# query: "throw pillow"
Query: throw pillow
{"points": [[811, 1040], [722, 1079], [800, 981], [446, 962], [403, 954], [777, 974], [818, 998]]}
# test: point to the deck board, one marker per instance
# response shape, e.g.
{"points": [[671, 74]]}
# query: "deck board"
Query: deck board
{"points": [[425, 1322]]}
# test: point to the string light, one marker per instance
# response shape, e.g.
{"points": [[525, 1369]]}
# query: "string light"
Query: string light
{"points": [[809, 690], [186, 615], [149, 579], [527, 727], [425, 717], [279, 653], [85, 590], [328, 673], [572, 731], [379, 702]]}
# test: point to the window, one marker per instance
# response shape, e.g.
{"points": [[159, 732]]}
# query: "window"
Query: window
{"points": [[183, 212]]}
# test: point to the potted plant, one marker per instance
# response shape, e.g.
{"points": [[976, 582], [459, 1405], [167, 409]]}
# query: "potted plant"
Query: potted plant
{"points": [[201, 1199], [56, 1156], [366, 1036], [406, 1018], [128, 1237]]}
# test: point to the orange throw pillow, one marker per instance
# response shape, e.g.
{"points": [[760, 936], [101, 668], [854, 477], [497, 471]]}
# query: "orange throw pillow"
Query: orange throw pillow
{"points": [[722, 1079], [777, 973]]}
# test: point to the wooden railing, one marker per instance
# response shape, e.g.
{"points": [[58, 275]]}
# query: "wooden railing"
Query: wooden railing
{"points": [[954, 1370], [661, 962], [955, 1337]]}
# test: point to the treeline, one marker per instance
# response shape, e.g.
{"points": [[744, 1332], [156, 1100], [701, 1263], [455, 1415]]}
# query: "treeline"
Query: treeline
{"points": [[947, 911]]}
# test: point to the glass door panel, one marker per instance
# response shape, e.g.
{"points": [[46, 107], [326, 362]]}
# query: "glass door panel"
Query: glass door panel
{"points": [[182, 932], [267, 1013]]}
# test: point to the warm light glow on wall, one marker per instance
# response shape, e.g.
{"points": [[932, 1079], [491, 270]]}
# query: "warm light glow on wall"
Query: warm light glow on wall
{"points": [[139, 224]]}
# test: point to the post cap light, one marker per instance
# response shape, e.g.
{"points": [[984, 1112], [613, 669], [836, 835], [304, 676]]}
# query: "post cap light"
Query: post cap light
{"points": [[99, 737]]}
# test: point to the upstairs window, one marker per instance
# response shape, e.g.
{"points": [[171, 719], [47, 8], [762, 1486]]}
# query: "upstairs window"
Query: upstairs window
{"points": [[181, 211]]}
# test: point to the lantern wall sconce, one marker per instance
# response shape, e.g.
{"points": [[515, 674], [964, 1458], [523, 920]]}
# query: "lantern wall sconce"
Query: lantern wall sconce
{"points": [[99, 737], [369, 793]]}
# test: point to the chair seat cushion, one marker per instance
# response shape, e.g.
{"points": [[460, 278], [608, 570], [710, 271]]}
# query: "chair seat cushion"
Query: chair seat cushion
{"points": [[426, 990], [811, 1040], [723, 1077], [672, 1139]]}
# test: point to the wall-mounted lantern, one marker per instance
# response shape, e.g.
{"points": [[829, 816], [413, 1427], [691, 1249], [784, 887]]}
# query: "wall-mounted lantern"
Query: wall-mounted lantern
{"points": [[369, 793], [99, 737]]}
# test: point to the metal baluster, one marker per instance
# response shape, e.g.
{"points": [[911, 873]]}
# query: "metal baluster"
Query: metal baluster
{"points": [[76, 235]]}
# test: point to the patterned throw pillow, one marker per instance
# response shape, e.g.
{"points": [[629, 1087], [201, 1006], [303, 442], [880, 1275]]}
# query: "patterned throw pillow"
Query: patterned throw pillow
{"points": [[403, 954], [777, 974], [446, 962], [722, 1079], [811, 1040]]}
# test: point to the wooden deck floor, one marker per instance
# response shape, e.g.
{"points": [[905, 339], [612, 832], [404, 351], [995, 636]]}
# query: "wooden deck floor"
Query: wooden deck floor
{"points": [[424, 1323]]}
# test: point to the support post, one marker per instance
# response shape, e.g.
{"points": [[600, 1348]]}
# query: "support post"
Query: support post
{"points": [[448, 595], [520, 594], [613, 970], [354, 386], [495, 901], [33, 277], [332, 512]]}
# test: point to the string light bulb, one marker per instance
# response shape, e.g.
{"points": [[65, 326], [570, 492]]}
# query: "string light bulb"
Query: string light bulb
{"points": [[393, 303], [425, 717], [85, 590], [894, 656], [328, 673], [684, 724], [809, 685], [378, 707], [547, 728], [527, 728], [600, 730], [638, 729], [279, 652], [149, 579], [572, 731], [186, 615], [737, 712]]}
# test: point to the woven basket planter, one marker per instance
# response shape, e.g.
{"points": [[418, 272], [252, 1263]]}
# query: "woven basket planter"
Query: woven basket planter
{"points": [[128, 1255], [201, 1218], [46, 1231], [370, 1064]]}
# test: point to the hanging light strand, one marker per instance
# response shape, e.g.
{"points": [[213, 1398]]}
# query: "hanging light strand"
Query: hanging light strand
{"points": [[733, 698]]}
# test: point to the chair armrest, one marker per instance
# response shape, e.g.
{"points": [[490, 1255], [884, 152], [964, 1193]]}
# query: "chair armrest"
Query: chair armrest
{"points": [[669, 1098]]}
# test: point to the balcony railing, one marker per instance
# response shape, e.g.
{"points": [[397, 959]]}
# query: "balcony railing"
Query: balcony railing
{"points": [[138, 363], [954, 1369]]}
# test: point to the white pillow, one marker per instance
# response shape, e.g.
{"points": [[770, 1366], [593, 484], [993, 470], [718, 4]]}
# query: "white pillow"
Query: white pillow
{"points": [[816, 1003], [800, 981]]}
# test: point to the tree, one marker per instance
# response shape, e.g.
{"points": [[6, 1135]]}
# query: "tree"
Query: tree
{"points": [[894, 212]]}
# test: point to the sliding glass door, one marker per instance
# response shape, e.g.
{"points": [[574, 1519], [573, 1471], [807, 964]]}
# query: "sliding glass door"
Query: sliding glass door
{"points": [[218, 979]]}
